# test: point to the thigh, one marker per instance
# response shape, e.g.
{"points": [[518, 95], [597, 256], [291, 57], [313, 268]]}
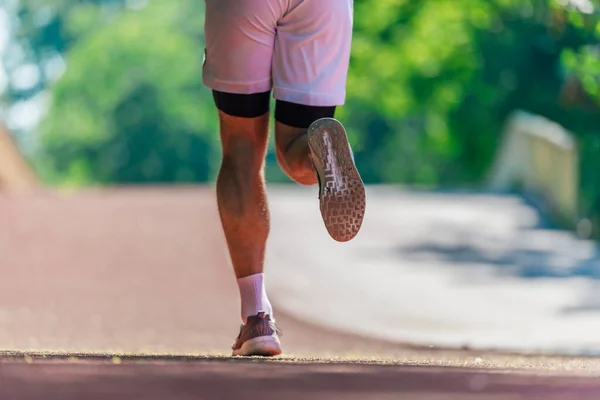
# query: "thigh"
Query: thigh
{"points": [[240, 38], [312, 52]]}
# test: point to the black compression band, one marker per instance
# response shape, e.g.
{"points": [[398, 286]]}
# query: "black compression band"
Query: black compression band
{"points": [[242, 105], [300, 116]]}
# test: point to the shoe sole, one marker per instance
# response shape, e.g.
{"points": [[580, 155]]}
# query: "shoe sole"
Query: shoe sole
{"points": [[266, 346], [342, 197]]}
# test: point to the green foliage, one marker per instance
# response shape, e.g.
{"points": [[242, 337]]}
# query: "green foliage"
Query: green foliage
{"points": [[430, 85], [131, 107], [45, 29]]}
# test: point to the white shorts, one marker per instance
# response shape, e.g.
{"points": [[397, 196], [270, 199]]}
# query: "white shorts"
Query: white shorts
{"points": [[298, 48]]}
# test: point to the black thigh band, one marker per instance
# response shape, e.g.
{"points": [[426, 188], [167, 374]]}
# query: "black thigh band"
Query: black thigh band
{"points": [[300, 116], [243, 105]]}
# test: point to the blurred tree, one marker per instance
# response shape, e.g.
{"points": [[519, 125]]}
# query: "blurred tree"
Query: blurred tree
{"points": [[429, 87], [131, 107], [42, 31], [431, 83]]}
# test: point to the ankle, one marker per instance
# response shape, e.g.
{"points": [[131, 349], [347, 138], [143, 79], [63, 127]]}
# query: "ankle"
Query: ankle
{"points": [[253, 296]]}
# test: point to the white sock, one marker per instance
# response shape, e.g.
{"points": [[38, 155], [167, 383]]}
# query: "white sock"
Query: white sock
{"points": [[254, 296]]}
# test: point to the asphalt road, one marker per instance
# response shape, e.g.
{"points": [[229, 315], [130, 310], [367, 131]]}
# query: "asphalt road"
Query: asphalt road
{"points": [[250, 379], [144, 271]]}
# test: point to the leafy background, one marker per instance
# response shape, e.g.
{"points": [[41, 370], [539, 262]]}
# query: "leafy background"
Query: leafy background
{"points": [[430, 86]]}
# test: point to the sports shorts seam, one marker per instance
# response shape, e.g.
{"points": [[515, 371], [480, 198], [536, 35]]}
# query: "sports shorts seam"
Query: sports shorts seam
{"points": [[237, 83], [305, 92]]}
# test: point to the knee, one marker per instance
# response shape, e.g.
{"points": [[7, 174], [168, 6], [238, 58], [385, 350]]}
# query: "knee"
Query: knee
{"points": [[242, 155], [300, 170], [239, 178], [241, 168]]}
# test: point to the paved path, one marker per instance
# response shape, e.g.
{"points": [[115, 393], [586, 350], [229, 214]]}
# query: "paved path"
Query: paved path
{"points": [[241, 379], [145, 271], [450, 269]]}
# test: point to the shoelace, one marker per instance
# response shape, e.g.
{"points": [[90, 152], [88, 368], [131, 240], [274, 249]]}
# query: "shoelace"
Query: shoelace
{"points": [[277, 330], [273, 325]]}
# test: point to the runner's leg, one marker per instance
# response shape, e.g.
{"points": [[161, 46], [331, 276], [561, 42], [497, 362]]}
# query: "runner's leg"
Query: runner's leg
{"points": [[310, 67], [240, 36]]}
